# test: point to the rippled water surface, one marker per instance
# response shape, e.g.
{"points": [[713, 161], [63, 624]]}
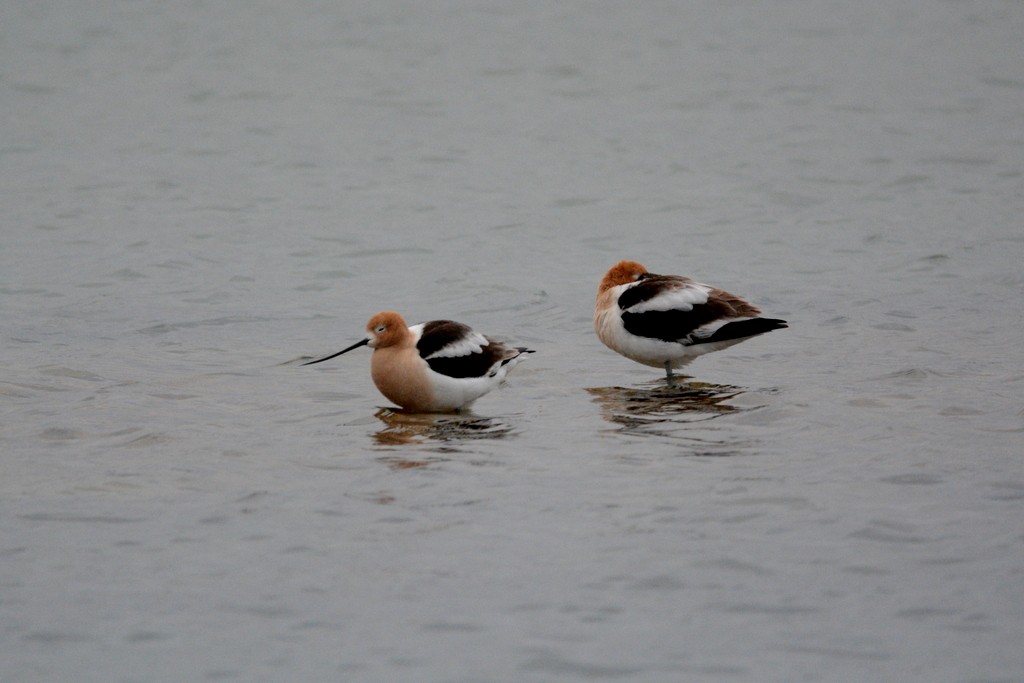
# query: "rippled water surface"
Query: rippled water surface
{"points": [[197, 196]]}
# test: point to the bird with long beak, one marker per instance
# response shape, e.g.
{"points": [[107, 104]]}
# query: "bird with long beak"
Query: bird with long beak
{"points": [[434, 367]]}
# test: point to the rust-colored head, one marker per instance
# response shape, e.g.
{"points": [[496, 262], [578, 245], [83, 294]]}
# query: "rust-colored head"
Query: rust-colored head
{"points": [[621, 273], [385, 329]]}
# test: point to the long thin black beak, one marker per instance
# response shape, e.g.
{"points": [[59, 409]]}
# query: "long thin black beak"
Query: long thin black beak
{"points": [[335, 355]]}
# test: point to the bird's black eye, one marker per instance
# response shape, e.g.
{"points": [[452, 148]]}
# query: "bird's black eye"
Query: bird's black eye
{"points": [[380, 328]]}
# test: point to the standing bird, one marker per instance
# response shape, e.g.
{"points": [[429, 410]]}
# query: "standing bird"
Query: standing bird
{"points": [[435, 367], [668, 320]]}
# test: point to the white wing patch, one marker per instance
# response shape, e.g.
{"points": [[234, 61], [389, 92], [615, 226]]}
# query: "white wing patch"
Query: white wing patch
{"points": [[677, 296], [472, 342], [417, 332]]}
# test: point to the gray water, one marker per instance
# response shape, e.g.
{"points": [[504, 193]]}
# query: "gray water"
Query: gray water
{"points": [[198, 195]]}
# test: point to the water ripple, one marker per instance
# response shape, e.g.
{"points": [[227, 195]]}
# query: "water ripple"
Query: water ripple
{"points": [[403, 428]]}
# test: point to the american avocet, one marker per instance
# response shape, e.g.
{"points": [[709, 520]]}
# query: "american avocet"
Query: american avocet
{"points": [[435, 367], [665, 321]]}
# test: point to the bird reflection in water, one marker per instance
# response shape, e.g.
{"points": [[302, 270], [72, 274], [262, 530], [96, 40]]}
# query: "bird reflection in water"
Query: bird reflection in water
{"points": [[653, 407], [405, 428]]}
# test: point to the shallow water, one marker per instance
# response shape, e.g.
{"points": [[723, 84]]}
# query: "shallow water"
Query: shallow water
{"points": [[198, 196]]}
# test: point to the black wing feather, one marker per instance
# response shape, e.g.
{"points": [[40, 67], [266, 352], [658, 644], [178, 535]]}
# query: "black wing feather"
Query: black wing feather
{"points": [[743, 328], [648, 287], [473, 365], [438, 334], [673, 325]]}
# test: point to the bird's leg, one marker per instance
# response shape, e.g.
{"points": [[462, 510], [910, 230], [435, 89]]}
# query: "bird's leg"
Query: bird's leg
{"points": [[668, 371]]}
